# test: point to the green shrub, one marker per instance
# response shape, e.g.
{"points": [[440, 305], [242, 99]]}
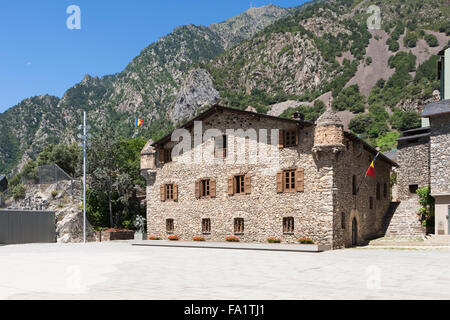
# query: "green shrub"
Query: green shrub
{"points": [[18, 192], [410, 39], [431, 40], [361, 122]]}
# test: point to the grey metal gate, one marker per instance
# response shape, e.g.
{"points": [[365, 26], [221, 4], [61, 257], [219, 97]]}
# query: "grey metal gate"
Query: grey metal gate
{"points": [[19, 227]]}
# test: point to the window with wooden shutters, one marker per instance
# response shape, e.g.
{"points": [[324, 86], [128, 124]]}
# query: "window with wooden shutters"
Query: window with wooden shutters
{"points": [[247, 184], [238, 225], [289, 181], [206, 226], [239, 184], [291, 138], [220, 146], [212, 188], [288, 225], [169, 190], [204, 188], [170, 226], [197, 189]]}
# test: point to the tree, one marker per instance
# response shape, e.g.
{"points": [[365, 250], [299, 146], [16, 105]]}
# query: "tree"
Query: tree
{"points": [[431, 40], [405, 120], [361, 122], [350, 99], [67, 157], [410, 39]]}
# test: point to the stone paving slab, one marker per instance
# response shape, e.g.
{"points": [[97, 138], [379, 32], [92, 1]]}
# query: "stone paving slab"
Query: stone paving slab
{"points": [[235, 246]]}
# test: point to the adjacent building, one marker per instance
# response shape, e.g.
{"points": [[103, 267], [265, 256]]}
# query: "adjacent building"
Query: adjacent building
{"points": [[310, 183]]}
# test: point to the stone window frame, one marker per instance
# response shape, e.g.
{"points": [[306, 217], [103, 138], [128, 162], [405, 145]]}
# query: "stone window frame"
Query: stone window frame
{"points": [[239, 226], [170, 226], [206, 226], [288, 225], [414, 187], [354, 185], [298, 174]]}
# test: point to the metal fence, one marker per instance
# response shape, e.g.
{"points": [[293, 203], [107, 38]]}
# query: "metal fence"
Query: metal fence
{"points": [[20, 227], [52, 173]]}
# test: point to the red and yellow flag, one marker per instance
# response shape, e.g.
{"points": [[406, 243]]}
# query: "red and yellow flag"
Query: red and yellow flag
{"points": [[371, 170]]}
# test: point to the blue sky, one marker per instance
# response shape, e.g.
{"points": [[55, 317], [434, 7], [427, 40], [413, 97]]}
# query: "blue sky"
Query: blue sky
{"points": [[40, 55]]}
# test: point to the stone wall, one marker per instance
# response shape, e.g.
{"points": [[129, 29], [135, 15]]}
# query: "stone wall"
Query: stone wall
{"points": [[440, 154], [414, 166]]}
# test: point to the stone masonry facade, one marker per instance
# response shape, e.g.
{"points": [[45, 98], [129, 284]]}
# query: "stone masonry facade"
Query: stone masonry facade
{"points": [[326, 163]]}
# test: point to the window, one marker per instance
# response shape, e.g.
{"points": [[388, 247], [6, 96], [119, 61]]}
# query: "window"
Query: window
{"points": [[291, 138], [205, 190], [170, 226], [288, 225], [354, 186], [413, 188], [169, 192], [343, 220], [371, 203], [240, 184], [385, 191], [220, 146], [167, 155], [291, 180], [238, 225], [206, 225], [378, 191], [288, 138]]}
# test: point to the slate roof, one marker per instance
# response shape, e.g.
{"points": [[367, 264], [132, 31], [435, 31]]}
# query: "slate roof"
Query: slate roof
{"points": [[435, 108]]}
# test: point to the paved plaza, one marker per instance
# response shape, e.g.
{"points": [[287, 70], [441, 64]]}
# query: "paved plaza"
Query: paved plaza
{"points": [[122, 271]]}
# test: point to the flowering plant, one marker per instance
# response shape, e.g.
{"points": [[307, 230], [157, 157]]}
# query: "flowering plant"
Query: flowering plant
{"points": [[154, 238], [232, 239], [274, 240], [305, 241], [198, 239], [174, 238]]}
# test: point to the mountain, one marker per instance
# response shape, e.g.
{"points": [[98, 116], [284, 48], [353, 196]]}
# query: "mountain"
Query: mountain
{"points": [[376, 79]]}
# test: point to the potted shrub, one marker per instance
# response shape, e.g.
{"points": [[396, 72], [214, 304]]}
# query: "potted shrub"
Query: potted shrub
{"points": [[198, 239], [154, 238], [305, 241], [232, 239], [174, 238], [274, 240]]}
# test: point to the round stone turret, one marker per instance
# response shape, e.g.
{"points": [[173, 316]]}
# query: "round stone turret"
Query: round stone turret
{"points": [[329, 133], [148, 157]]}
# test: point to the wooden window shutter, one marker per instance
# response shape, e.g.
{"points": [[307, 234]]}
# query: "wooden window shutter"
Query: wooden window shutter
{"points": [[163, 192], [161, 155], [175, 192], [299, 177], [248, 184], [197, 189], [280, 182], [230, 186], [281, 139], [212, 188]]}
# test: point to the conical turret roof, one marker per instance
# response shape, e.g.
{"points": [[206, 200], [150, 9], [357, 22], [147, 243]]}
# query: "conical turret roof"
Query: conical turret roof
{"points": [[329, 118]]}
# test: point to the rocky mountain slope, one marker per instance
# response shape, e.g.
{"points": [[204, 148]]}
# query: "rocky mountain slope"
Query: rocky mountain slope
{"points": [[262, 57]]}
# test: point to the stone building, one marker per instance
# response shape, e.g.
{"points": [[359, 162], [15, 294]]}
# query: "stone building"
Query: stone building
{"points": [[308, 180], [439, 155]]}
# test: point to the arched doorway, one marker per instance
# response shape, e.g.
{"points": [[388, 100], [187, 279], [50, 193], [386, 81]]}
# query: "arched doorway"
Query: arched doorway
{"points": [[354, 232]]}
